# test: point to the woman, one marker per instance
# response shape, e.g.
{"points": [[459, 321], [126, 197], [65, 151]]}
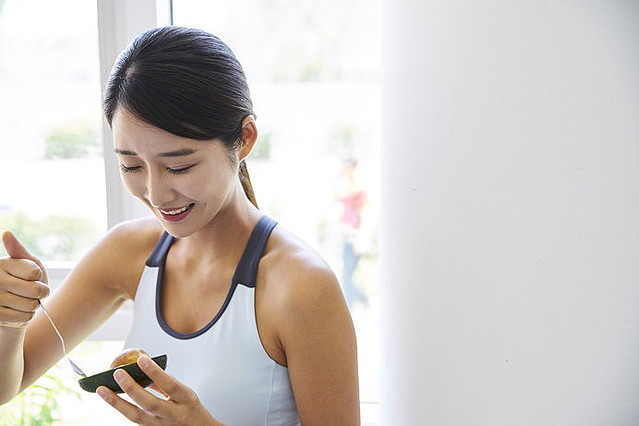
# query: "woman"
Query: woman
{"points": [[253, 321]]}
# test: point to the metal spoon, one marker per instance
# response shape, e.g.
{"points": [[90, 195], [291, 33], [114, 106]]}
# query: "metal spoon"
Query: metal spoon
{"points": [[75, 368]]}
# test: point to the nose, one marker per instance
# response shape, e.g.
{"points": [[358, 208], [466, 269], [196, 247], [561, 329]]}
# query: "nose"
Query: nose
{"points": [[158, 191]]}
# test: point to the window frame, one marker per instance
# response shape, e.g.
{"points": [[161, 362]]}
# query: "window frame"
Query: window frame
{"points": [[119, 21]]}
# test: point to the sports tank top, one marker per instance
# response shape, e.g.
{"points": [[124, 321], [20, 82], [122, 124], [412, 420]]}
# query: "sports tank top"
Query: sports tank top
{"points": [[224, 362]]}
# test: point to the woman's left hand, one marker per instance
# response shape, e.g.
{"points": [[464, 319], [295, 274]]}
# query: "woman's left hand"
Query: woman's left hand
{"points": [[182, 406]]}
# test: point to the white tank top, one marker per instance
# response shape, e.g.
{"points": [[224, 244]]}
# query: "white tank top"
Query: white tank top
{"points": [[224, 362]]}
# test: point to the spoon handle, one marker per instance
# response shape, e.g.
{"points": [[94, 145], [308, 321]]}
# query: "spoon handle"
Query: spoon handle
{"points": [[75, 368]]}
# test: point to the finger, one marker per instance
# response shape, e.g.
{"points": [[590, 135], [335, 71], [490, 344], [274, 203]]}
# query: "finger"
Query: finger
{"points": [[24, 269], [144, 399], [9, 324], [11, 316], [18, 303], [16, 250], [168, 384], [14, 247], [130, 411], [20, 287]]}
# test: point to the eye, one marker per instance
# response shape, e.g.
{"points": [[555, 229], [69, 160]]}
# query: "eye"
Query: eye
{"points": [[129, 169], [180, 170]]}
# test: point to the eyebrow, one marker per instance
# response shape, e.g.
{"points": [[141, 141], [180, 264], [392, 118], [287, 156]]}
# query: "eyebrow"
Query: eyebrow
{"points": [[177, 153]]}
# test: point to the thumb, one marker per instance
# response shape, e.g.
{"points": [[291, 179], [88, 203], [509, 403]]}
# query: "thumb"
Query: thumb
{"points": [[15, 248]]}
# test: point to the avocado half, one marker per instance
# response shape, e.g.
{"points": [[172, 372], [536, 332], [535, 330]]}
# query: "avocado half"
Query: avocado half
{"points": [[91, 383]]}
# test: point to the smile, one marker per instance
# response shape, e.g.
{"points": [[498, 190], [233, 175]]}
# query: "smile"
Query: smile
{"points": [[176, 215], [176, 211]]}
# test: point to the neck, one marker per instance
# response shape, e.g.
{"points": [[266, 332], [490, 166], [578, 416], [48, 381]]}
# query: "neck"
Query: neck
{"points": [[226, 235]]}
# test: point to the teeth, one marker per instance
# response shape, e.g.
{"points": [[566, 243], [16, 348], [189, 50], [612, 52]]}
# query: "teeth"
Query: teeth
{"points": [[174, 212]]}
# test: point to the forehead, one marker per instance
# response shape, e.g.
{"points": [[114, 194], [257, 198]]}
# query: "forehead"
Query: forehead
{"points": [[130, 132], [136, 137]]}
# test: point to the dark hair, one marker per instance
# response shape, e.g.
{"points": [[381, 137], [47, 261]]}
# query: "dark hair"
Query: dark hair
{"points": [[186, 82]]}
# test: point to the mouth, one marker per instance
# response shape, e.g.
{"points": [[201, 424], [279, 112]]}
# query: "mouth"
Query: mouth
{"points": [[177, 214]]}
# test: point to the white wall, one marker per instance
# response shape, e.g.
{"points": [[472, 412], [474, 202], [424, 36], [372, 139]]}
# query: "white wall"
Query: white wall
{"points": [[510, 213]]}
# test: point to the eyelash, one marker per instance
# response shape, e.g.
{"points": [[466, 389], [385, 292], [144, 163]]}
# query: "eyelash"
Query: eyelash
{"points": [[180, 171], [129, 169], [170, 170]]}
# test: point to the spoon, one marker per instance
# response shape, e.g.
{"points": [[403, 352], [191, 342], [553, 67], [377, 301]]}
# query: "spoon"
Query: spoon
{"points": [[75, 368]]}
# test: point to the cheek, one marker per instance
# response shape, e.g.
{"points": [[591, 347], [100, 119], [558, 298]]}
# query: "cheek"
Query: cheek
{"points": [[200, 187], [208, 186], [134, 184]]}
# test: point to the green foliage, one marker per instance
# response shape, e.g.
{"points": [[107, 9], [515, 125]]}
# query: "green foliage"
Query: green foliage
{"points": [[71, 140], [52, 238], [38, 405]]}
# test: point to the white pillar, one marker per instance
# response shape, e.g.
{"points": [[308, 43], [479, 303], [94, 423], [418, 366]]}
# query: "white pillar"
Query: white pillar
{"points": [[510, 213]]}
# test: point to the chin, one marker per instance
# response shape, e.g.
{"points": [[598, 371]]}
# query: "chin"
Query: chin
{"points": [[181, 229], [176, 230]]}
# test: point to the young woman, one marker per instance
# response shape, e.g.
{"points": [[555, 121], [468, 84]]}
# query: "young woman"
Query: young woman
{"points": [[253, 321]]}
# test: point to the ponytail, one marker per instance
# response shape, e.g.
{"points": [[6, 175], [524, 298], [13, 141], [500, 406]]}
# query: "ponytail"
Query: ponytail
{"points": [[246, 183]]}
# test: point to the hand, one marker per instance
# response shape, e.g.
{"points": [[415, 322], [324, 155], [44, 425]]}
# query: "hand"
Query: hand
{"points": [[182, 406], [23, 282]]}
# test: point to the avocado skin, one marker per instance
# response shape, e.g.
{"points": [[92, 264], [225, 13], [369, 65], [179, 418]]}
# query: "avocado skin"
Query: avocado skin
{"points": [[91, 383]]}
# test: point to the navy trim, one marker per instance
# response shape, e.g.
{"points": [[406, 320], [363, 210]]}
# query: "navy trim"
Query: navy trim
{"points": [[158, 257], [245, 272], [185, 336]]}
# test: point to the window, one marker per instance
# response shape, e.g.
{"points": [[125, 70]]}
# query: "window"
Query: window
{"points": [[52, 172], [51, 161], [314, 79]]}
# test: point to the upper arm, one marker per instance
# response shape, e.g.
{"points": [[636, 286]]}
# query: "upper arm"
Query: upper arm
{"points": [[318, 338], [95, 288]]}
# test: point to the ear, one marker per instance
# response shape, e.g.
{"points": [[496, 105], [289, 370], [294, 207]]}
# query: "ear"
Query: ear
{"points": [[249, 136]]}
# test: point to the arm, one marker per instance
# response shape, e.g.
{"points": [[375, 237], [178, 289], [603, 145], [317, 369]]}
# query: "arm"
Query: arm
{"points": [[318, 339], [93, 291], [22, 285]]}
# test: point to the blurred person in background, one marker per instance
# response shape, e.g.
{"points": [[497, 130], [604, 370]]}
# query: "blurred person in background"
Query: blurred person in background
{"points": [[352, 198]]}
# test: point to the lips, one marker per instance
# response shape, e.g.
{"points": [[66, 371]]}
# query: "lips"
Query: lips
{"points": [[176, 214]]}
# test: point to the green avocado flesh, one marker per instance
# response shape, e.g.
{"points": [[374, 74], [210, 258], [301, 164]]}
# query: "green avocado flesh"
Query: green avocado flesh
{"points": [[91, 383]]}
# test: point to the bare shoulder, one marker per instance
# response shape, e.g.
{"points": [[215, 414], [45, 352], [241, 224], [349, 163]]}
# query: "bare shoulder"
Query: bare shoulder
{"points": [[126, 245], [298, 293], [306, 326], [295, 273], [135, 235]]}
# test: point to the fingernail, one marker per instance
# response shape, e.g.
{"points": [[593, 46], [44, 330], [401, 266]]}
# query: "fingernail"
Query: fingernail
{"points": [[144, 361], [102, 393], [119, 375]]}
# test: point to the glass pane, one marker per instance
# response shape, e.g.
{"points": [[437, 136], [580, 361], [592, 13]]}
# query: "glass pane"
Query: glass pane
{"points": [[314, 71], [52, 194]]}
